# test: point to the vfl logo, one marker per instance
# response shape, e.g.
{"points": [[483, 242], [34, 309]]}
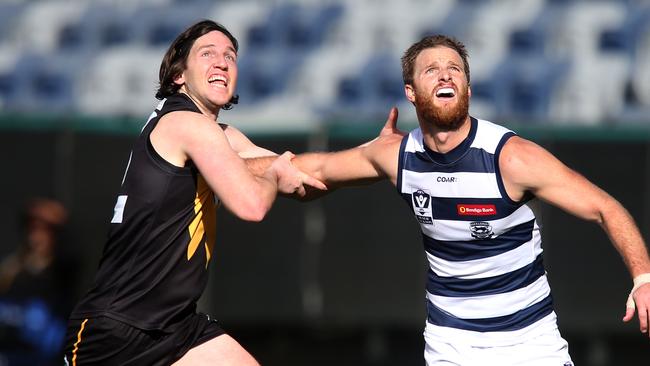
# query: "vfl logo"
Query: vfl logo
{"points": [[422, 207], [421, 200], [480, 230]]}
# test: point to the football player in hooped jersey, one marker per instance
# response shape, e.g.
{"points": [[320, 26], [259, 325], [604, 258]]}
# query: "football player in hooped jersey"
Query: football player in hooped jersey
{"points": [[154, 267], [472, 186]]}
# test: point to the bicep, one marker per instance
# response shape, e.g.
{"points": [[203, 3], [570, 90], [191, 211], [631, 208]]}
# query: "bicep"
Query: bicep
{"points": [[241, 144], [206, 145], [528, 167]]}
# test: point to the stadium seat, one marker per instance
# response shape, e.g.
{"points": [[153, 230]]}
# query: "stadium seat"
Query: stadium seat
{"points": [[9, 86], [525, 87], [265, 72], [624, 37], [114, 33], [128, 91], [37, 83], [308, 28], [156, 26], [51, 83], [269, 33], [369, 93], [527, 41], [10, 13], [41, 22]]}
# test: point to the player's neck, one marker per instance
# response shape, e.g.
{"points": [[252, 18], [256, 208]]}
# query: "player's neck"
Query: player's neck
{"points": [[212, 114], [443, 141]]}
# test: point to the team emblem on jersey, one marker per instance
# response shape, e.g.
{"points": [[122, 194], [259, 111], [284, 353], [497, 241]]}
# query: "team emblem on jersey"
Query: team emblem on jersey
{"points": [[481, 229], [422, 207]]}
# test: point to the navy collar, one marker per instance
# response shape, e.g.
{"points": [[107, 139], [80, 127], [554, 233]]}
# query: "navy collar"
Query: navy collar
{"points": [[454, 154]]}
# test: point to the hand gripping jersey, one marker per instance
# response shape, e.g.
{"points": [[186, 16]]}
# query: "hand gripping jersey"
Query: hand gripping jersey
{"points": [[486, 280], [154, 264]]}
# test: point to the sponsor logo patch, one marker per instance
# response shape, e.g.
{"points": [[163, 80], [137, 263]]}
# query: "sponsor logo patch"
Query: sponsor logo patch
{"points": [[446, 179], [476, 210]]}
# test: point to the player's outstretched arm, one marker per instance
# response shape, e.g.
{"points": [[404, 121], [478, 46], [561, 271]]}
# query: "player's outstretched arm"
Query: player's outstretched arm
{"points": [[525, 166], [367, 163]]}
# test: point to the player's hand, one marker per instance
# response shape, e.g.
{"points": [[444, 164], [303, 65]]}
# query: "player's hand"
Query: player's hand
{"points": [[291, 180], [390, 127], [389, 130], [639, 302]]}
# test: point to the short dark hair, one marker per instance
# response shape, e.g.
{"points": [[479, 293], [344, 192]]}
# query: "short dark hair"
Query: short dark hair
{"points": [[175, 59], [432, 41]]}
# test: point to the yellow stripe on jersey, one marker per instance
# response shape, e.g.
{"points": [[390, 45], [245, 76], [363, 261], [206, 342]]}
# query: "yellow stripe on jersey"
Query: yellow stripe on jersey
{"points": [[205, 221], [76, 344]]}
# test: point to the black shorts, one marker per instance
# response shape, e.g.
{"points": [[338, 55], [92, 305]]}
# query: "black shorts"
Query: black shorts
{"points": [[106, 341]]}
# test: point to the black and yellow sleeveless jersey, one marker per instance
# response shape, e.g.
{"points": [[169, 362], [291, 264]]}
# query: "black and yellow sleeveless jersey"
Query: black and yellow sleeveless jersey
{"points": [[154, 264]]}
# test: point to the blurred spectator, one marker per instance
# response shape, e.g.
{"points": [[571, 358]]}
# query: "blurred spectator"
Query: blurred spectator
{"points": [[34, 302]]}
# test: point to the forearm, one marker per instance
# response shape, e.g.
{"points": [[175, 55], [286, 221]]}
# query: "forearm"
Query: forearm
{"points": [[267, 190], [626, 237], [338, 169], [258, 166]]}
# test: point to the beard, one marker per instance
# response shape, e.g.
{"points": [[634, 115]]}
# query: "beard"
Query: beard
{"points": [[446, 118]]}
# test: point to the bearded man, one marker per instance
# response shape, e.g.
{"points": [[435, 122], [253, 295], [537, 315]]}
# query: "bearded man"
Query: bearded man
{"points": [[473, 187]]}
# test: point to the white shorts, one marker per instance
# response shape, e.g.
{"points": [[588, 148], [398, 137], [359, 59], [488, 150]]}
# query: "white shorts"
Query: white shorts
{"points": [[548, 349]]}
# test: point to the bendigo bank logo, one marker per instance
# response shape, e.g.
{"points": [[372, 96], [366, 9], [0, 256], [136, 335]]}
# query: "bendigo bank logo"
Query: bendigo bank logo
{"points": [[476, 210]]}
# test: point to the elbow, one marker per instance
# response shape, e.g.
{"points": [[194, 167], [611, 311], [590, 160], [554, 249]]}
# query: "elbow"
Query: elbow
{"points": [[254, 217], [255, 212]]}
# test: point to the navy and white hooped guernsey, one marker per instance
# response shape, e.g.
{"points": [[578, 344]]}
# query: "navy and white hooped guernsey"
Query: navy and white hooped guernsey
{"points": [[486, 281]]}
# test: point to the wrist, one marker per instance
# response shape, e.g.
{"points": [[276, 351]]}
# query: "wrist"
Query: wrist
{"points": [[641, 279]]}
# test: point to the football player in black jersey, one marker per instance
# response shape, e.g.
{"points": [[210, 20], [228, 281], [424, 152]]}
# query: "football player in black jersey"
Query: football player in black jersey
{"points": [[154, 267]]}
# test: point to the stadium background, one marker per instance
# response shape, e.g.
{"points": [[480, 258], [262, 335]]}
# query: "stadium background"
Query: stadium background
{"points": [[338, 281]]}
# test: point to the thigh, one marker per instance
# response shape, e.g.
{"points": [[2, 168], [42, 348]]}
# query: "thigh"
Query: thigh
{"points": [[219, 351]]}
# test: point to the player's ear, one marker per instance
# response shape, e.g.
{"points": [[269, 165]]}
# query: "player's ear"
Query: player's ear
{"points": [[179, 79], [410, 92]]}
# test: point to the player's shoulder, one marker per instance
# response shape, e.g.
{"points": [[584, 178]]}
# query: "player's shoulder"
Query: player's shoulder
{"points": [[488, 132], [521, 145], [520, 154], [183, 119]]}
